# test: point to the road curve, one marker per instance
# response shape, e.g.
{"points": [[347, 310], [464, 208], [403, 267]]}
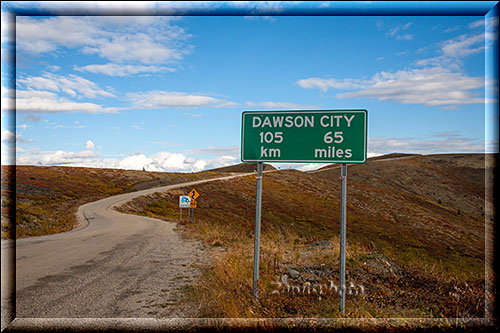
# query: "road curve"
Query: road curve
{"points": [[112, 265]]}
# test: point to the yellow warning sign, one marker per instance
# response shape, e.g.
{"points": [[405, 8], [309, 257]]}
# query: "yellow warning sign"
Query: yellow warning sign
{"points": [[192, 204], [193, 194]]}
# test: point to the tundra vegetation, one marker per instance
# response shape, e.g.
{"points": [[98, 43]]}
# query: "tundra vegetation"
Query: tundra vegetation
{"points": [[415, 240], [416, 235], [47, 198]]}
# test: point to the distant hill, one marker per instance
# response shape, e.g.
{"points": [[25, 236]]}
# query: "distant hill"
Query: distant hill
{"points": [[434, 205], [392, 155], [47, 197], [376, 158], [451, 180], [415, 236], [243, 167]]}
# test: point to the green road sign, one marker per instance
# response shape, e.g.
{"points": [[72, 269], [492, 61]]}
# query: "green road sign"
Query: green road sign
{"points": [[322, 136]]}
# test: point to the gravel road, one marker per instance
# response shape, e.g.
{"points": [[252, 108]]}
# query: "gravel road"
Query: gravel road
{"points": [[112, 265]]}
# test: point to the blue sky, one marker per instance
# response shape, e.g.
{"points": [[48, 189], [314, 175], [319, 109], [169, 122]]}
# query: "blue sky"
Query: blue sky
{"points": [[167, 92]]}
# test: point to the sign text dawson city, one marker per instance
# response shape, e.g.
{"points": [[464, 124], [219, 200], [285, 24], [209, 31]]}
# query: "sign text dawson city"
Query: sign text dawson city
{"points": [[323, 136]]}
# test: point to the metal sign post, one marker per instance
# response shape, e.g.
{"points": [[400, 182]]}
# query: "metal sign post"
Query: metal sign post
{"points": [[192, 204], [256, 249], [343, 201], [310, 136]]}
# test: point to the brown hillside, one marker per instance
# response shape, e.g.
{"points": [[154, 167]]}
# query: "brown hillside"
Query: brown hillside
{"points": [[371, 159], [435, 203], [392, 155], [46, 198], [243, 167], [415, 233]]}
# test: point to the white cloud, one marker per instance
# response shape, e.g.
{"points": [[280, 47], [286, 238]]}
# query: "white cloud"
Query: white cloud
{"points": [[490, 23], [72, 85], [199, 165], [21, 139], [9, 138], [398, 32], [172, 161], [140, 39], [222, 161], [40, 36], [163, 161], [430, 86], [178, 162], [23, 127], [6, 22], [435, 86], [477, 24], [60, 158], [165, 99], [228, 104], [405, 37], [325, 84], [66, 158], [139, 47], [463, 46], [31, 101], [54, 68], [112, 69], [57, 126], [443, 143], [440, 61], [89, 145], [7, 101], [370, 155], [454, 50], [135, 162], [451, 29], [440, 83], [33, 118]]}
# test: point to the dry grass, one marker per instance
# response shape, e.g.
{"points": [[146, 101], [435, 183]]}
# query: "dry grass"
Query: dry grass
{"points": [[47, 198], [415, 233], [414, 254]]}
